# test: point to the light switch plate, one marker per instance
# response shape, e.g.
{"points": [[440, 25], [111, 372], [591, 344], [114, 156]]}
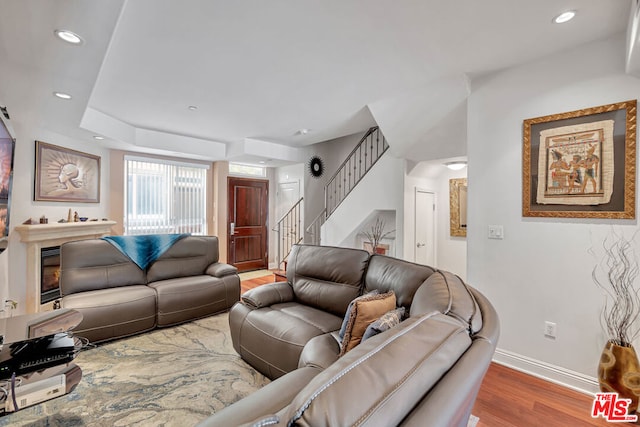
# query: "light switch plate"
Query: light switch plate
{"points": [[496, 232]]}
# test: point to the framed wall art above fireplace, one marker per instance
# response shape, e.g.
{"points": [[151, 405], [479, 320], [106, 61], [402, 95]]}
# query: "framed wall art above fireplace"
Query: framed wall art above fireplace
{"points": [[581, 164], [65, 175]]}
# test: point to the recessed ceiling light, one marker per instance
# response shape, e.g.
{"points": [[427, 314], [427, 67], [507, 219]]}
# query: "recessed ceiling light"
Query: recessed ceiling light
{"points": [[457, 165], [62, 95], [68, 36], [303, 131], [98, 137], [192, 107], [564, 17]]}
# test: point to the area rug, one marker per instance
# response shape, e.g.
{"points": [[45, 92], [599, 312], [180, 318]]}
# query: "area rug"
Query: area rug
{"points": [[174, 376]]}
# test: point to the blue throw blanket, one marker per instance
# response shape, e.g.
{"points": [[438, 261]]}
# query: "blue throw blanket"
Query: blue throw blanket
{"points": [[146, 248]]}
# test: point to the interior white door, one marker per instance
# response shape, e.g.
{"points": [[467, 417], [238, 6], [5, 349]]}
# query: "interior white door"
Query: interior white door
{"points": [[288, 194], [425, 228]]}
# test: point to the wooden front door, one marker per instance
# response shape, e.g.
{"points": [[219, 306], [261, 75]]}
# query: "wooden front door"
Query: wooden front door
{"points": [[247, 223]]}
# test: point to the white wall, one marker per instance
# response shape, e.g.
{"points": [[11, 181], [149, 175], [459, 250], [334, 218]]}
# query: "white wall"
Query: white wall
{"points": [[541, 270], [23, 206]]}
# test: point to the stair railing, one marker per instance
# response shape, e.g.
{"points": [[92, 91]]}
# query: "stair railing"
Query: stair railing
{"points": [[370, 148], [288, 232], [313, 230]]}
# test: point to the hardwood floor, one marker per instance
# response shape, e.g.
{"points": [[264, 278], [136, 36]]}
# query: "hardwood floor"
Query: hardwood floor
{"points": [[510, 398], [245, 285]]}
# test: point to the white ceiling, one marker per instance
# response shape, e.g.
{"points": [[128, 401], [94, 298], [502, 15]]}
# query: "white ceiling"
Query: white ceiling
{"points": [[259, 71]]}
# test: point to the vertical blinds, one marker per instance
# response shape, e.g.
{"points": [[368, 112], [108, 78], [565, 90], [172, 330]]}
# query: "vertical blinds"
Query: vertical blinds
{"points": [[164, 197]]}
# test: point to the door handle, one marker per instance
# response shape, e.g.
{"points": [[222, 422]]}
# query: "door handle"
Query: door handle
{"points": [[421, 245], [233, 229]]}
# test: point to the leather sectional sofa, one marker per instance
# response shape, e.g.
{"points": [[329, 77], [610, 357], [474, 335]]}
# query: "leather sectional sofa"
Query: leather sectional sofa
{"points": [[424, 371], [117, 298]]}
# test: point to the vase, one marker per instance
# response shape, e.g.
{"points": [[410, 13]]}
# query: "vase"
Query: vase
{"points": [[619, 372]]}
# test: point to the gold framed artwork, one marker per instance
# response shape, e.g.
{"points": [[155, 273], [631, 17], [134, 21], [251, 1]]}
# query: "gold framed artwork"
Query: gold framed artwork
{"points": [[581, 164], [458, 207], [65, 175]]}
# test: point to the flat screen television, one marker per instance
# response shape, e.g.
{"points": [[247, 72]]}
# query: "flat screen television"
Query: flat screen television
{"points": [[7, 149]]}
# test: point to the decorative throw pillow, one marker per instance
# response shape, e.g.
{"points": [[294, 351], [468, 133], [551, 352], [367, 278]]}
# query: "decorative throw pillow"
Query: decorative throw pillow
{"points": [[363, 312], [386, 322], [347, 315]]}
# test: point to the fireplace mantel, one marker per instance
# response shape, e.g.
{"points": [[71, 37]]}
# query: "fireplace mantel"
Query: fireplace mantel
{"points": [[38, 236], [66, 230]]}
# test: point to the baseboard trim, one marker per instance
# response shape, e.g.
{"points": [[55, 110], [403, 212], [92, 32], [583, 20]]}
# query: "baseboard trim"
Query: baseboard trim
{"points": [[556, 374]]}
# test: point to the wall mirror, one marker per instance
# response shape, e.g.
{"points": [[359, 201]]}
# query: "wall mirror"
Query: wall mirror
{"points": [[458, 207]]}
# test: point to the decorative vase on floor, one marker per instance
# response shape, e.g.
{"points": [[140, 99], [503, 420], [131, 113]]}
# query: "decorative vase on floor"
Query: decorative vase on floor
{"points": [[619, 372]]}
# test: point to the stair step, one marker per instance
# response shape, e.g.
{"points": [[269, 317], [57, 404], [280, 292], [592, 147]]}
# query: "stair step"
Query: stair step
{"points": [[280, 275]]}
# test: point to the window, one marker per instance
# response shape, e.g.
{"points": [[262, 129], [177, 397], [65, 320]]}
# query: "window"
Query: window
{"points": [[164, 197], [250, 170]]}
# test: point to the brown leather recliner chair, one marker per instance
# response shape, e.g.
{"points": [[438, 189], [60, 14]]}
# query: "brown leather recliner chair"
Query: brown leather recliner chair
{"points": [[426, 371]]}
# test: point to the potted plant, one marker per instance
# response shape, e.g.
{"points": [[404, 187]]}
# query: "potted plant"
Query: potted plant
{"points": [[616, 274], [375, 234]]}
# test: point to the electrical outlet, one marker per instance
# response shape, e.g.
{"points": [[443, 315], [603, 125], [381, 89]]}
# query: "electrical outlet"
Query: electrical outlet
{"points": [[549, 329]]}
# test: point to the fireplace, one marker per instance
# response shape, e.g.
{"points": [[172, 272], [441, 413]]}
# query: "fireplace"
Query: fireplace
{"points": [[39, 237], [49, 274]]}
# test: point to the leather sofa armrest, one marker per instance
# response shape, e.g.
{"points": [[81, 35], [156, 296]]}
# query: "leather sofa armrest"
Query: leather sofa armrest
{"points": [[266, 295], [220, 269]]}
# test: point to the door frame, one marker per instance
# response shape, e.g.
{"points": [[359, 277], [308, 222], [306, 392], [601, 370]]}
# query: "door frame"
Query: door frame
{"points": [[435, 222]]}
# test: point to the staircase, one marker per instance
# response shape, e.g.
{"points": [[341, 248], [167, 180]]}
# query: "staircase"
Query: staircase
{"points": [[368, 151], [288, 232]]}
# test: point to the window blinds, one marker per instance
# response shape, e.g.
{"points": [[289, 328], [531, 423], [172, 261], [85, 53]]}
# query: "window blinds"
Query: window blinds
{"points": [[164, 197]]}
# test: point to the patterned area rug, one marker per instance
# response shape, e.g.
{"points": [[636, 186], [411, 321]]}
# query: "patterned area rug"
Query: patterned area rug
{"points": [[168, 377]]}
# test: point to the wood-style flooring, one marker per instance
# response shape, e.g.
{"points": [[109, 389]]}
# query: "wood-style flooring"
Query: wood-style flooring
{"points": [[510, 398]]}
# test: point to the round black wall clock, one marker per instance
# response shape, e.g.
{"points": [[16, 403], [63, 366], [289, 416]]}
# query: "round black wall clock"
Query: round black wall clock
{"points": [[316, 167]]}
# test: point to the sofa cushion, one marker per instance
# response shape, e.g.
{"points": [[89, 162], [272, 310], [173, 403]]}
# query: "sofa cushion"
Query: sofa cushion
{"points": [[363, 312], [113, 312], [272, 338], [402, 277], [419, 351], [188, 298], [189, 256], [447, 293], [94, 264], [384, 323], [326, 278]]}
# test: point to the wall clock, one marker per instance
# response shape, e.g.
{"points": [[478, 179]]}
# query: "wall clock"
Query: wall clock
{"points": [[316, 167]]}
